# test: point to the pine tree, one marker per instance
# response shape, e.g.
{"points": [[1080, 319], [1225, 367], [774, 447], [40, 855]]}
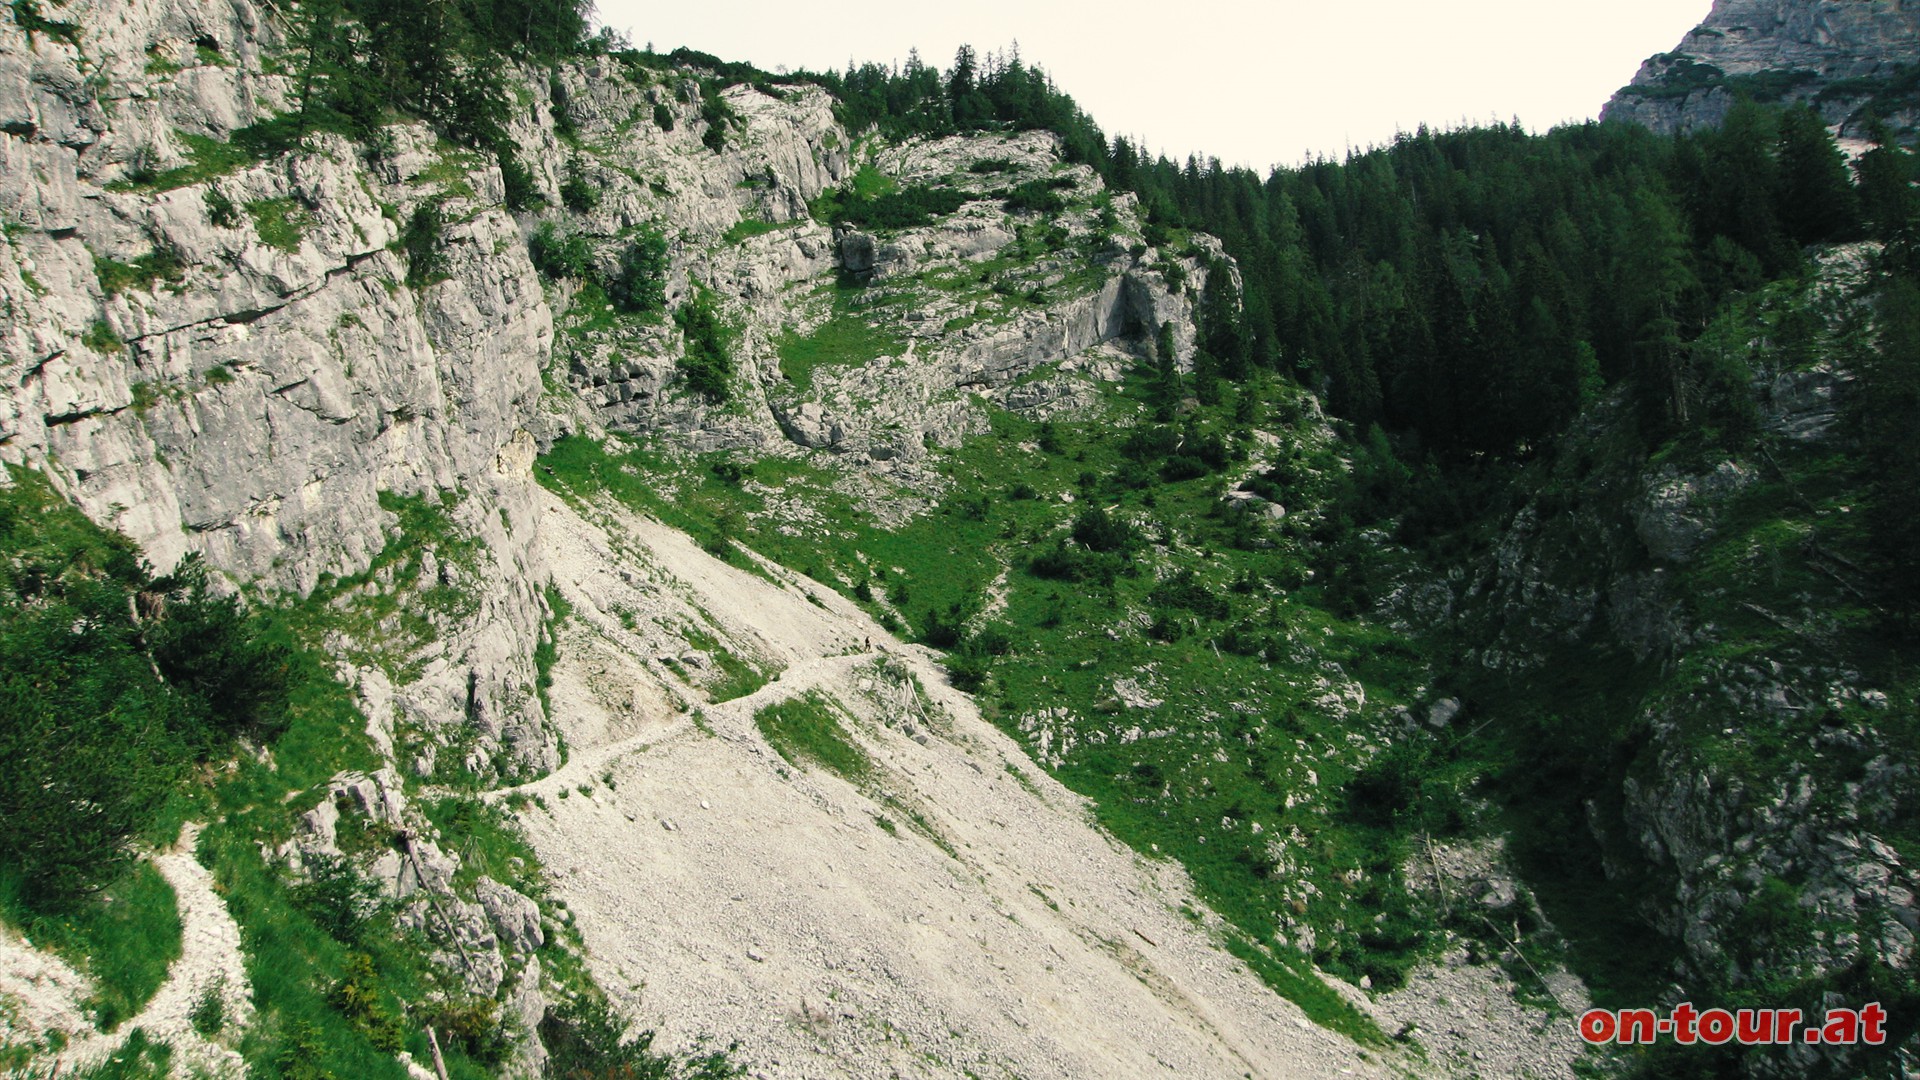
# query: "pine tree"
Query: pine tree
{"points": [[1815, 200], [1656, 280], [1885, 403], [1888, 200]]}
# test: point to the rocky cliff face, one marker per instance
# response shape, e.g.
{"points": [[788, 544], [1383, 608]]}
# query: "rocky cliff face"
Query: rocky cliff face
{"points": [[1836, 54], [1694, 611], [225, 360], [968, 308], [223, 355], [268, 361]]}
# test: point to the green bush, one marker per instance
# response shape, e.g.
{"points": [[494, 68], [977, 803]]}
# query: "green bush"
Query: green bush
{"points": [[421, 241], [577, 193], [708, 363], [471, 1025], [639, 287], [1186, 592], [1101, 531], [338, 900], [944, 631], [560, 255], [1063, 563], [587, 1040], [101, 339], [871, 200], [1039, 196], [522, 192], [221, 211], [967, 671], [115, 683], [158, 265], [718, 116], [27, 16], [358, 995]]}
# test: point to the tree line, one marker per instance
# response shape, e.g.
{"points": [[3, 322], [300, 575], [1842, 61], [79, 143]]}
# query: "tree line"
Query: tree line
{"points": [[362, 61], [1465, 291], [1468, 291]]}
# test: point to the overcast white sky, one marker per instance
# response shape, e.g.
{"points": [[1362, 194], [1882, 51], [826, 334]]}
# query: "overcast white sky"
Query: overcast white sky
{"points": [[1250, 83]]}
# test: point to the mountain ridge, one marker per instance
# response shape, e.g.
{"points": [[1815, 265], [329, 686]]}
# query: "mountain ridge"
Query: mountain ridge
{"points": [[1848, 58]]}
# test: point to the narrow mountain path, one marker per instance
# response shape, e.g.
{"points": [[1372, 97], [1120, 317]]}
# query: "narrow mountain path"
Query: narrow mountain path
{"points": [[210, 963], [731, 718], [954, 910]]}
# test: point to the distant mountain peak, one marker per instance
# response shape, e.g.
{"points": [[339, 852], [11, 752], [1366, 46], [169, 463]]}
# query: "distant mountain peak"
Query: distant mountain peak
{"points": [[1846, 57]]}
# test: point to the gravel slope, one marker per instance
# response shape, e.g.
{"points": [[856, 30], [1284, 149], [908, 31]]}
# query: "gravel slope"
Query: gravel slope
{"points": [[991, 929]]}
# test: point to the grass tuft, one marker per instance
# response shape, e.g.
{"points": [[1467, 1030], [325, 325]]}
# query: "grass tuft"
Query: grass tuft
{"points": [[807, 728]]}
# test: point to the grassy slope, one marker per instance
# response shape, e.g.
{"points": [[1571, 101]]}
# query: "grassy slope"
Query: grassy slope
{"points": [[338, 984], [1235, 739]]}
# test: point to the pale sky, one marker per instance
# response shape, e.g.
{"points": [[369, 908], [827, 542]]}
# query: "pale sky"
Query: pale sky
{"points": [[1250, 83]]}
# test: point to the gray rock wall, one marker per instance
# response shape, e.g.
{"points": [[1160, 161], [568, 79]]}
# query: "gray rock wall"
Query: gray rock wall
{"points": [[249, 400], [1825, 40], [229, 360]]}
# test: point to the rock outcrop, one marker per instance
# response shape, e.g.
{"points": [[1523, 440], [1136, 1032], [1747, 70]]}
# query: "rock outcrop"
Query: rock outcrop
{"points": [[1755, 798], [968, 304], [329, 372], [1798, 50]]}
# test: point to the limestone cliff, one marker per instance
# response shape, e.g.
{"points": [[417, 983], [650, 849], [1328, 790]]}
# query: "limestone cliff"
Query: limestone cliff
{"points": [[1840, 55], [329, 372]]}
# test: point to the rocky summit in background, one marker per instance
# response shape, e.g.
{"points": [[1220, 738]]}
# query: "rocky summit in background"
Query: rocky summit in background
{"points": [[1851, 59]]}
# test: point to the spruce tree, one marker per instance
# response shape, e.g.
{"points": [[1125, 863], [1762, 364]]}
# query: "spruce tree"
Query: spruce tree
{"points": [[1888, 200], [1816, 201]]}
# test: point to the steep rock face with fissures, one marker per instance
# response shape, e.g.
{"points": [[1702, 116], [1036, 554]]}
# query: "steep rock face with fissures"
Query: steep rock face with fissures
{"points": [[1830, 53]]}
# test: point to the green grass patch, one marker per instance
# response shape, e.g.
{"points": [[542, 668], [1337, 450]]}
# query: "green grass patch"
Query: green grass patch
{"points": [[29, 18], [159, 64], [126, 936], [144, 272], [845, 340], [296, 967], [748, 227], [487, 842], [101, 339], [1291, 978], [807, 729], [139, 1058], [451, 170], [207, 159], [872, 199], [281, 223], [737, 678], [388, 626], [546, 652]]}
